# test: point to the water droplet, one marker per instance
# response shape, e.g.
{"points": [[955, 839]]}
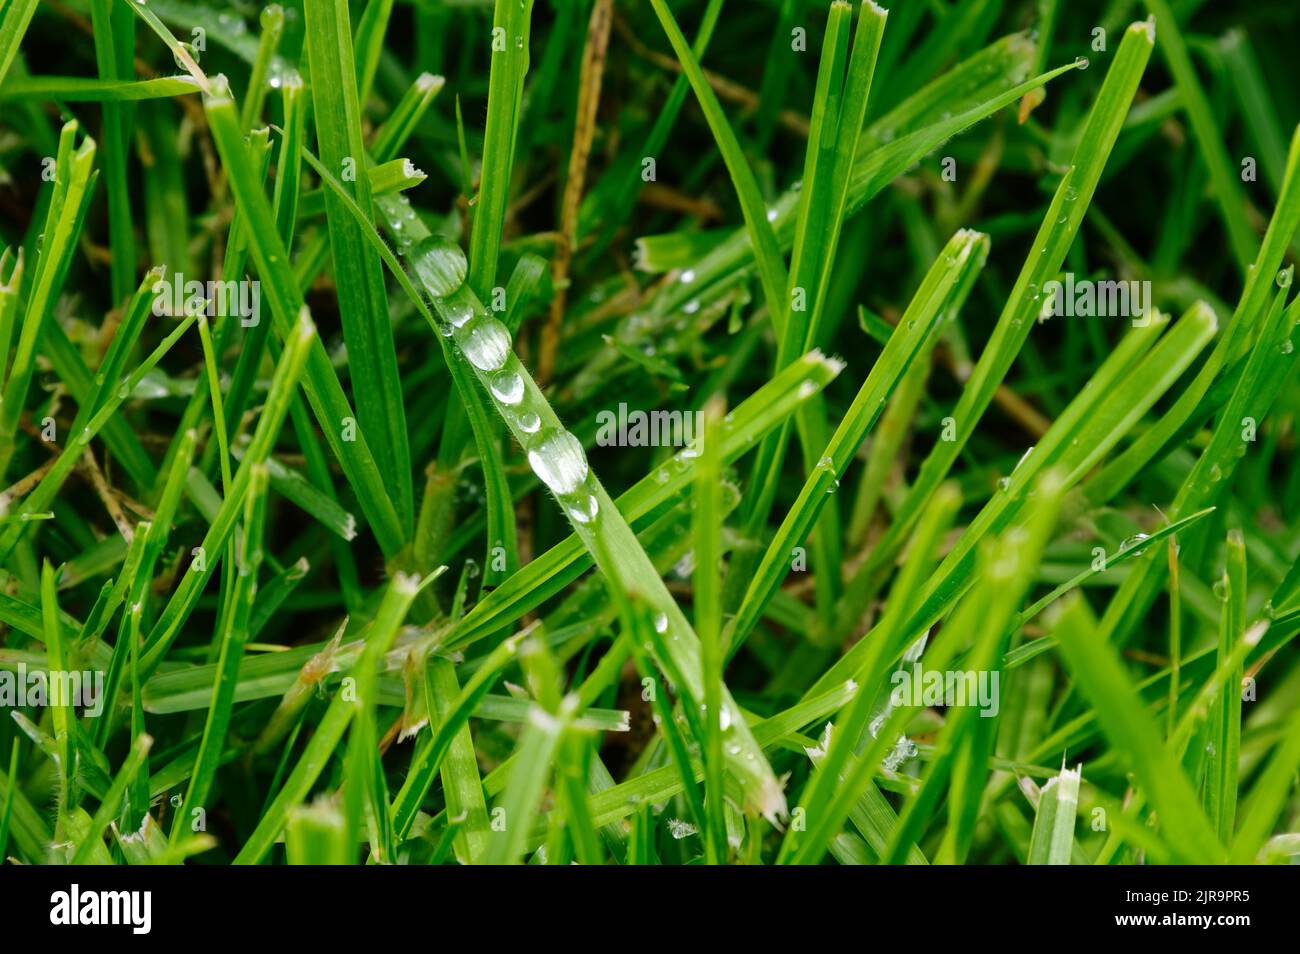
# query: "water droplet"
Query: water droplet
{"points": [[1284, 277], [1287, 346], [1004, 483], [584, 509], [559, 461], [1216, 474], [692, 306], [440, 265], [680, 829], [486, 343], [508, 387], [662, 476], [688, 276], [903, 750], [661, 622], [528, 422], [471, 568], [1128, 543], [1071, 193], [179, 56], [1220, 589], [771, 215], [459, 312], [1081, 62]]}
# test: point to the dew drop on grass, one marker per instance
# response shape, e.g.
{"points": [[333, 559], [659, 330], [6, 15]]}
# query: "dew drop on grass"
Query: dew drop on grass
{"points": [[903, 750], [440, 265], [528, 422], [1130, 542], [827, 464], [584, 508], [1220, 589], [688, 276], [179, 59], [486, 343], [508, 387], [559, 461], [1284, 277], [680, 829], [459, 312], [661, 622], [1287, 346]]}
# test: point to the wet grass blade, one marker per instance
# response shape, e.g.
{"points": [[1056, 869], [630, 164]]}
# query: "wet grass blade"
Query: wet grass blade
{"points": [[1100, 675], [771, 265], [359, 277], [966, 250], [233, 637], [1208, 135], [398, 596], [1053, 836], [324, 393]]}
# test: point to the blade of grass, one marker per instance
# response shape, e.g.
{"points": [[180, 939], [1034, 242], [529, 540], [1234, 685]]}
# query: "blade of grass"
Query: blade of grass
{"points": [[1097, 668], [324, 393], [398, 596], [1058, 803], [232, 638], [1209, 138], [358, 276]]}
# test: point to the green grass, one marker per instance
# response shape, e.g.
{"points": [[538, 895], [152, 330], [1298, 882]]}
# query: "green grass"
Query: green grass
{"points": [[364, 576]]}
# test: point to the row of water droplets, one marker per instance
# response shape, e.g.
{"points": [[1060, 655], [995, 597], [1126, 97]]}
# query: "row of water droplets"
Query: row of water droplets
{"points": [[554, 453]]}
